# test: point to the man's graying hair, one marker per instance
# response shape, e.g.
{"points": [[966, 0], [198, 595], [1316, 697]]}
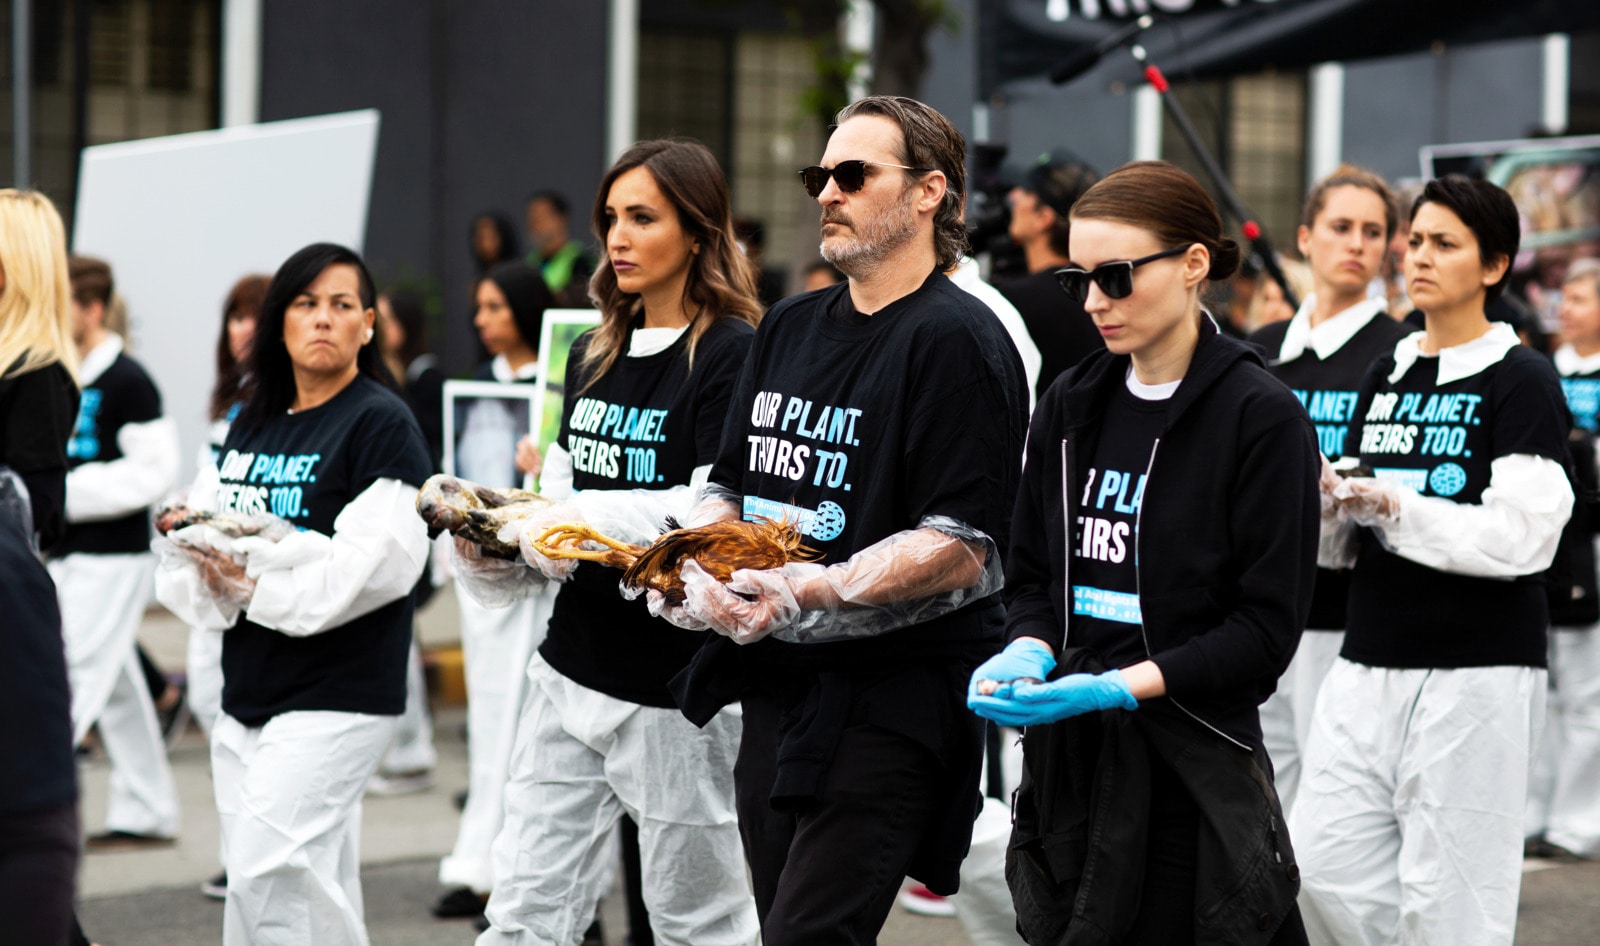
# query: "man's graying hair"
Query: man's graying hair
{"points": [[928, 140]]}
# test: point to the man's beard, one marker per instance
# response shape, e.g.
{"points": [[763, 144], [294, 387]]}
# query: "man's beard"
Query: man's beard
{"points": [[869, 243]]}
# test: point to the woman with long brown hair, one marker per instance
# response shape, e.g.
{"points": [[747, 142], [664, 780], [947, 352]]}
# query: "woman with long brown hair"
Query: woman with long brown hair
{"points": [[1162, 553], [647, 391]]}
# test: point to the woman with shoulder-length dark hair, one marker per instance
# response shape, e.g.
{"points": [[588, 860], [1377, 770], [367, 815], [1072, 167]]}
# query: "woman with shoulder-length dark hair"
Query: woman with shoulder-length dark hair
{"points": [[599, 736], [319, 622], [1162, 552], [1415, 777]]}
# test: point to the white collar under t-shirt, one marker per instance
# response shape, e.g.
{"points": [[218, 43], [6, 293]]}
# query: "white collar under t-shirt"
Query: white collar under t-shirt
{"points": [[1569, 362], [1457, 361], [1328, 337]]}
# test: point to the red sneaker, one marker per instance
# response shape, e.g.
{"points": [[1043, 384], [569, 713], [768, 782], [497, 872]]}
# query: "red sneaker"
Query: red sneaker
{"points": [[924, 902]]}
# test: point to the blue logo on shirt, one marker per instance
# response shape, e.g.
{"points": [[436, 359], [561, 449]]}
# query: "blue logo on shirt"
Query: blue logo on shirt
{"points": [[85, 442], [1447, 479]]}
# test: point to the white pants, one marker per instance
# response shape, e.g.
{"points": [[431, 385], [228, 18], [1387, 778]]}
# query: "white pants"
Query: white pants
{"points": [[1409, 822], [412, 749], [496, 646], [203, 673], [289, 798], [103, 598], [582, 759], [1286, 715], [1564, 804]]}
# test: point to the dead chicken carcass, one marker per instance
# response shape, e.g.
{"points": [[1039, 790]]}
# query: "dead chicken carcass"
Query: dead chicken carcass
{"points": [[475, 512], [721, 548], [232, 525]]}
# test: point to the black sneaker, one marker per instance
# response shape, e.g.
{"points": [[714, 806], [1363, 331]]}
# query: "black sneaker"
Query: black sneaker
{"points": [[125, 841], [458, 904], [217, 887]]}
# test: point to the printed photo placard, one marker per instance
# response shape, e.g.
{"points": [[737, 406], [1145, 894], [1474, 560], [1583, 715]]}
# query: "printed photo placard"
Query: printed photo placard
{"points": [[561, 328], [483, 420]]}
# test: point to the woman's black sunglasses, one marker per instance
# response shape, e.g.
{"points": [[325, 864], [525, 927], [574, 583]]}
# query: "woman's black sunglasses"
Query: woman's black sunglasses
{"points": [[849, 175], [1115, 278]]}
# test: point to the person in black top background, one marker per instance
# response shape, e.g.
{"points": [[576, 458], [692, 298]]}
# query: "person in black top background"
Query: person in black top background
{"points": [[492, 240], [38, 400], [123, 458], [1564, 799], [497, 642], [1415, 776], [319, 621], [1062, 331], [646, 395], [1169, 500], [1322, 354], [403, 333], [38, 360]]}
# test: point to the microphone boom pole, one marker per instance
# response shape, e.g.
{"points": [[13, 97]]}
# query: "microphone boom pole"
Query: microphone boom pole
{"points": [[1253, 232]]}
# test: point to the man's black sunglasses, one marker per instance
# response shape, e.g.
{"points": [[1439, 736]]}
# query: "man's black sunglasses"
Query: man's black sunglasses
{"points": [[849, 175], [1115, 278]]}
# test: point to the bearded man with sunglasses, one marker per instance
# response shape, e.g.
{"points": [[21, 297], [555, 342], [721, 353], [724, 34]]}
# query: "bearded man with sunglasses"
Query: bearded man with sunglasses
{"points": [[885, 419]]}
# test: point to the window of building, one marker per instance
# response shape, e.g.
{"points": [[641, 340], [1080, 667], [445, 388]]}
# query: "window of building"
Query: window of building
{"points": [[151, 70], [1256, 127]]}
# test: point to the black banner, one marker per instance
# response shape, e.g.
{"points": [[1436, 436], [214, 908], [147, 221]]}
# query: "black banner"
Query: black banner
{"points": [[1022, 39]]}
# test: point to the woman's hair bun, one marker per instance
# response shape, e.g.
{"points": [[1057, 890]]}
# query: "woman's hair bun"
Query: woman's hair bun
{"points": [[1224, 260]]}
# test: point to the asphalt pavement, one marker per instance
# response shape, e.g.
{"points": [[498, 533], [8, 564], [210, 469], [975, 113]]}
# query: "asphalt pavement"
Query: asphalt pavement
{"points": [[152, 898]]}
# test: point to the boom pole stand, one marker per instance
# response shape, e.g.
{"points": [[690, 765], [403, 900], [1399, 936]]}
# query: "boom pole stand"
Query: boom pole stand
{"points": [[1259, 245]]}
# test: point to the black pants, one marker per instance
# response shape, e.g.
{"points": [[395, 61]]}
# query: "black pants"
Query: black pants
{"points": [[829, 874], [38, 864], [1167, 894]]}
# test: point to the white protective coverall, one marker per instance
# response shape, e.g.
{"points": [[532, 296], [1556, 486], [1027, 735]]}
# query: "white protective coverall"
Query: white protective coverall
{"points": [[1564, 801], [583, 758], [103, 599], [496, 645], [289, 791], [1408, 821]]}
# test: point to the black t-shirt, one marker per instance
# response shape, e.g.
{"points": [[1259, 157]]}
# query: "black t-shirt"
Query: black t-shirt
{"points": [[37, 411], [1106, 616], [1056, 322], [123, 394], [645, 424], [1328, 388], [1439, 439], [307, 467], [857, 427]]}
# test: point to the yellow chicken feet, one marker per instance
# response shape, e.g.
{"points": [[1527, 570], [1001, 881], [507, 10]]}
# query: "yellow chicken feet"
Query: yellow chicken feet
{"points": [[565, 542]]}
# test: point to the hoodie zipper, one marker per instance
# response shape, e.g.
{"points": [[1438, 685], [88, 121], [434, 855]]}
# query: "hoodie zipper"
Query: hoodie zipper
{"points": [[1067, 544], [1138, 587]]}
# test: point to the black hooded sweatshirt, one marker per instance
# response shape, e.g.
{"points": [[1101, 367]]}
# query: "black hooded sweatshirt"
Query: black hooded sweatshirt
{"points": [[1228, 551]]}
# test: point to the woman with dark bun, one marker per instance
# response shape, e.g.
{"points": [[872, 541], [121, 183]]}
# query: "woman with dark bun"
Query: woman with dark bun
{"points": [[1410, 813], [1142, 640]]}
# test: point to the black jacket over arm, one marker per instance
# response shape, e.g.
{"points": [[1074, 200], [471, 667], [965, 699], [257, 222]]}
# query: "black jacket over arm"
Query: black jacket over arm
{"points": [[1227, 536]]}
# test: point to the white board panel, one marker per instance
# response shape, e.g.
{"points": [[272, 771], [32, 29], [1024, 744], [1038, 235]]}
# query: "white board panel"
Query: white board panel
{"points": [[181, 218]]}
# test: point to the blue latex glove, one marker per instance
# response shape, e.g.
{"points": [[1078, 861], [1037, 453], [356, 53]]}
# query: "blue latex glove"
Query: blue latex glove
{"points": [[1034, 704], [1021, 658]]}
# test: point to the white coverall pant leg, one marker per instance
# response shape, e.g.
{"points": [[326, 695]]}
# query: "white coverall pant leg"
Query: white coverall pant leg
{"points": [[1286, 715], [289, 798], [984, 904], [412, 749], [584, 758], [1408, 826], [102, 599], [203, 671], [1567, 811], [496, 646]]}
